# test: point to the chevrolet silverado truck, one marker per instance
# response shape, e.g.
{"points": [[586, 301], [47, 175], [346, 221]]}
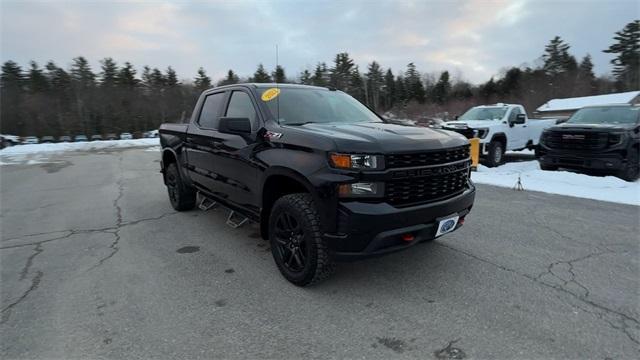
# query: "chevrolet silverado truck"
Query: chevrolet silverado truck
{"points": [[326, 178], [600, 138], [500, 127]]}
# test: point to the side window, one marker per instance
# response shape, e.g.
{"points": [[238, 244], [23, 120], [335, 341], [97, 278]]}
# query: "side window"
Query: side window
{"points": [[240, 106], [514, 112], [210, 110]]}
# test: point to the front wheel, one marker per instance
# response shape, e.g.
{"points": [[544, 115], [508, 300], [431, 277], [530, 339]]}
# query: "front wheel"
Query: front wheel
{"points": [[631, 171], [496, 153], [297, 245]]}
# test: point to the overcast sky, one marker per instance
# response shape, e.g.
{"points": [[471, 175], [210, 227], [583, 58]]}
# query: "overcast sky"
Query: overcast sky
{"points": [[474, 38]]}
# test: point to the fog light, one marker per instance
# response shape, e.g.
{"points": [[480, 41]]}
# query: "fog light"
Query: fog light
{"points": [[363, 189]]}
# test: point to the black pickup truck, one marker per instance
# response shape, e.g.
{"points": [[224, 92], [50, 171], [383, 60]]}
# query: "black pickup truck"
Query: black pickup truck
{"points": [[325, 177], [598, 138]]}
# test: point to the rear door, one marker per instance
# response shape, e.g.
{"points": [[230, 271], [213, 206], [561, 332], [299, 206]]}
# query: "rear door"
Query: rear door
{"points": [[201, 141]]}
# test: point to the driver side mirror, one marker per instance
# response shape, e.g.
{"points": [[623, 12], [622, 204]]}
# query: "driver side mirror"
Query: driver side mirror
{"points": [[520, 119], [230, 125], [456, 117]]}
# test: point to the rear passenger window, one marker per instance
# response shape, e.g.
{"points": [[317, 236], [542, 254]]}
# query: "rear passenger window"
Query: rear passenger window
{"points": [[240, 106], [210, 110]]}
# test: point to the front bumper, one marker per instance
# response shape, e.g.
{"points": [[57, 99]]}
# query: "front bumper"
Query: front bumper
{"points": [[611, 161], [367, 230]]}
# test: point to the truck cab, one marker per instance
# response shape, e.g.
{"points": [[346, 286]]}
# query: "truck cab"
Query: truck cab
{"points": [[500, 128]]}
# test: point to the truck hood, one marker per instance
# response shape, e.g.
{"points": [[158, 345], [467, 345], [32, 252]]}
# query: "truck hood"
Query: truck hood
{"points": [[473, 124], [383, 137], [595, 127]]}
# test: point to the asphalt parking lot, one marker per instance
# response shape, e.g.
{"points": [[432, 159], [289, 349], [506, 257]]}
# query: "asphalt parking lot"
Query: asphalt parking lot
{"points": [[96, 264]]}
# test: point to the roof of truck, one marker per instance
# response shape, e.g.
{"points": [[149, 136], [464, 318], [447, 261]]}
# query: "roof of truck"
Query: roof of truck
{"points": [[272, 85]]}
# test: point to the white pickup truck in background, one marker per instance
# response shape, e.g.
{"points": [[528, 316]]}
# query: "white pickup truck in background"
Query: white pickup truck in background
{"points": [[499, 127]]}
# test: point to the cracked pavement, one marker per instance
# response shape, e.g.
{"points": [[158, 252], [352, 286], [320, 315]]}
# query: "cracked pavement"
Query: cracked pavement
{"points": [[90, 269]]}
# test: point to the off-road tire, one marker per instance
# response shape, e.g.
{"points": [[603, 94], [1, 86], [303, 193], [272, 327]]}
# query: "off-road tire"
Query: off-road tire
{"points": [[318, 262], [631, 171], [495, 154], [182, 197]]}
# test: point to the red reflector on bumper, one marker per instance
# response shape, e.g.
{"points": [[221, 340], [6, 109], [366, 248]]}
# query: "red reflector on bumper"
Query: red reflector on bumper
{"points": [[408, 237]]}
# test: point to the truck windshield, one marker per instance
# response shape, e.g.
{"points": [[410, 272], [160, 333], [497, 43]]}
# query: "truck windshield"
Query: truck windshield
{"points": [[606, 115], [303, 106], [484, 113]]}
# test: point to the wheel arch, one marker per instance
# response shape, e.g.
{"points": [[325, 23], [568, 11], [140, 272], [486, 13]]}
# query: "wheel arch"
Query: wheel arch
{"points": [[280, 181]]}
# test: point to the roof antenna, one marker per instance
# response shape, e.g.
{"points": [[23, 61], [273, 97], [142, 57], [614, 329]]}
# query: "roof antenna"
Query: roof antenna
{"points": [[277, 89]]}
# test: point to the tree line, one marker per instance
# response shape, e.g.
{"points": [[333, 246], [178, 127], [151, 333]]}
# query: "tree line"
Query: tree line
{"points": [[51, 100]]}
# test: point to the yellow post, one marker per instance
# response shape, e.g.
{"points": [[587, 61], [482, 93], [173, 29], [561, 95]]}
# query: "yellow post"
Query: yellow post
{"points": [[475, 153]]}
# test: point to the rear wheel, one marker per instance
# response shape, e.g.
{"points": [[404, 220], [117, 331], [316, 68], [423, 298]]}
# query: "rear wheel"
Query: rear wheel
{"points": [[496, 153], [631, 172], [182, 197], [297, 246]]}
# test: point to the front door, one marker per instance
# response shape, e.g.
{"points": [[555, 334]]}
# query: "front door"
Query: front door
{"points": [[234, 160], [517, 138]]}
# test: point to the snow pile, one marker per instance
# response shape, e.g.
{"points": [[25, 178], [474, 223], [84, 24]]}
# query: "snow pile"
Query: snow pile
{"points": [[580, 102], [38, 153], [606, 188]]}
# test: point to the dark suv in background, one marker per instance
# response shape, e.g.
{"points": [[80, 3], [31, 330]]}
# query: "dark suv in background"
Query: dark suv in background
{"points": [[599, 138]]}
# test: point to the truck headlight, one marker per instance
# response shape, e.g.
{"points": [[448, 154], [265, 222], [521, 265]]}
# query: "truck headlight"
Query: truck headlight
{"points": [[481, 133], [615, 138], [361, 189], [350, 161]]}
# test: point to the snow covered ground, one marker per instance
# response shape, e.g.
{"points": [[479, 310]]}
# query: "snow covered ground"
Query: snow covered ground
{"points": [[605, 188], [40, 153]]}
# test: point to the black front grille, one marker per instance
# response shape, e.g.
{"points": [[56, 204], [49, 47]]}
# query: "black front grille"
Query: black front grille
{"points": [[575, 140], [427, 158], [467, 132], [405, 192]]}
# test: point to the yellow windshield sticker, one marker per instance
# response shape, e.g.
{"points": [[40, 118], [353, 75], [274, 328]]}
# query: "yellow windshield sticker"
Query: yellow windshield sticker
{"points": [[270, 94]]}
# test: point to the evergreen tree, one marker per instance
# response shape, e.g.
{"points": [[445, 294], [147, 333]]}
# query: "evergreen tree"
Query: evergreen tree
{"points": [[488, 90], [278, 75], [127, 76], [375, 84], [170, 78], [510, 84], [389, 89], [37, 81], [109, 72], [356, 85], [231, 78], [342, 72], [401, 90], [442, 89], [586, 79], [627, 61], [306, 78], [12, 89], [261, 75], [320, 75], [81, 73], [202, 81], [557, 58], [157, 79], [413, 84]]}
